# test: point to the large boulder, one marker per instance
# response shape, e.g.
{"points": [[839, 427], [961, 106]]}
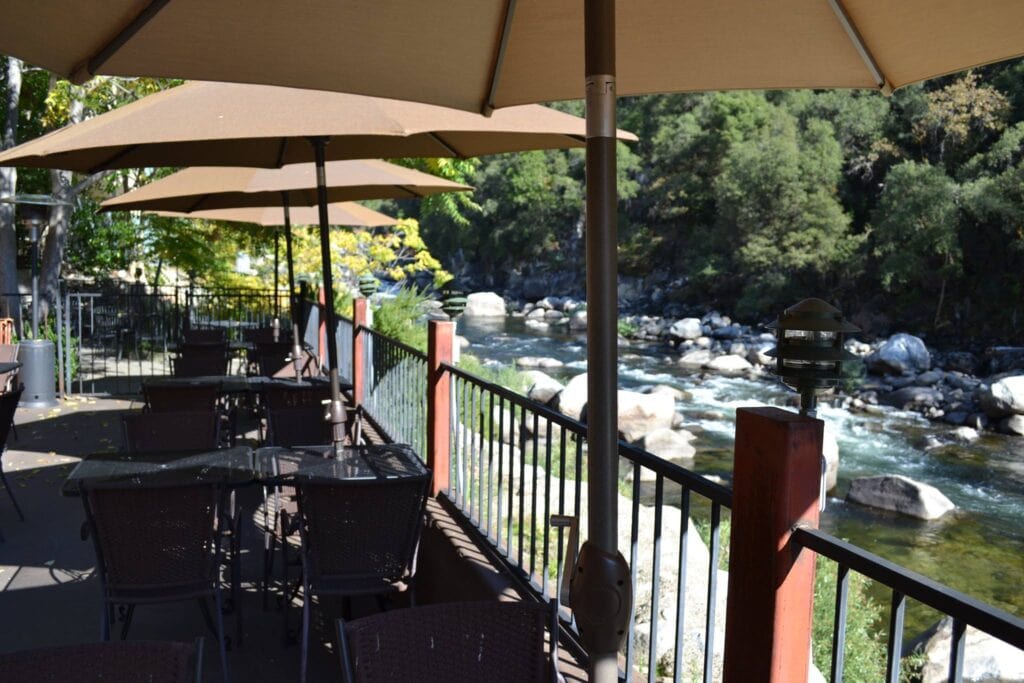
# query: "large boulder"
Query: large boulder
{"points": [[538, 362], [687, 328], [1003, 397], [985, 658], [830, 451], [695, 359], [640, 414], [912, 397], [729, 365], [900, 494], [670, 444], [543, 387], [578, 320], [573, 398], [1012, 425], [901, 354], [484, 305]]}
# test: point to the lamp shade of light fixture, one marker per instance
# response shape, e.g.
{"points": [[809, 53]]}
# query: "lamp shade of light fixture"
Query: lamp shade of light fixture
{"points": [[809, 352], [453, 302], [368, 285]]}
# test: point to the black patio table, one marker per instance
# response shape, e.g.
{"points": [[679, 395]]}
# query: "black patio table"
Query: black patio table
{"points": [[230, 467], [7, 367], [234, 384], [325, 464]]}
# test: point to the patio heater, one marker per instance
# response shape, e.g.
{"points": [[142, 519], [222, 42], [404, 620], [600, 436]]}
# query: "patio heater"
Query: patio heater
{"points": [[37, 356], [809, 355]]}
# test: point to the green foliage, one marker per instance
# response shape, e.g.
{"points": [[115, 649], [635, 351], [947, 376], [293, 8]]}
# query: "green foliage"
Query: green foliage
{"points": [[626, 329], [865, 649], [502, 375], [398, 317]]}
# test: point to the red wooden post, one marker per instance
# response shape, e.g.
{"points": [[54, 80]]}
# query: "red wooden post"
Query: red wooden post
{"points": [[322, 334], [776, 479], [439, 350], [360, 317]]}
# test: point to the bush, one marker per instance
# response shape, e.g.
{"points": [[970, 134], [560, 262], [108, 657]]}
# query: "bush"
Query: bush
{"points": [[399, 318]]}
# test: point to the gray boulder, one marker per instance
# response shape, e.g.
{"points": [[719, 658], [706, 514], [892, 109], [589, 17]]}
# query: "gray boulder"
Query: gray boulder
{"points": [[900, 494], [830, 451], [484, 305], [573, 398], [670, 444], [538, 362], [901, 354], [1012, 425], [687, 328], [578, 320], [912, 397], [640, 414], [985, 658], [695, 359], [729, 365], [543, 387], [1003, 397]]}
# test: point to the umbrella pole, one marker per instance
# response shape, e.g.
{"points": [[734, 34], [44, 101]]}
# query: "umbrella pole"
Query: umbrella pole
{"points": [[336, 413], [601, 593], [277, 265], [293, 307]]}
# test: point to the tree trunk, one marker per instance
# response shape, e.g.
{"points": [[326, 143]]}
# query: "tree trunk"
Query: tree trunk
{"points": [[60, 217], [9, 307]]}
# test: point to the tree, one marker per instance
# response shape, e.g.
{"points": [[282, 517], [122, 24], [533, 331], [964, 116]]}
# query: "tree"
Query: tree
{"points": [[8, 186], [916, 234]]}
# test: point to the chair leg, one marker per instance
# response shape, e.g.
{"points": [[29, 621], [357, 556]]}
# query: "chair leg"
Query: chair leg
{"points": [[105, 621], [222, 639], [10, 491], [127, 621], [306, 606], [236, 575]]}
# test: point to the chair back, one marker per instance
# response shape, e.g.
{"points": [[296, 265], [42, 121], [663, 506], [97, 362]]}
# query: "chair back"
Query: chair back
{"points": [[361, 536], [259, 335], [162, 432], [272, 357], [6, 330], [459, 641], [139, 660], [160, 540], [286, 395], [305, 425], [191, 336], [163, 399], [8, 406], [195, 360]]}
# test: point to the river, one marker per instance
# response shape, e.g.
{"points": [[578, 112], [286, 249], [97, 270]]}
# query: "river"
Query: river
{"points": [[977, 549]]}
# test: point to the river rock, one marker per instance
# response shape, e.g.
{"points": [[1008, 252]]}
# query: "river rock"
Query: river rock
{"points": [[727, 332], [729, 365], [960, 361], [687, 328], [901, 354], [1012, 425], [537, 313], [964, 435], [927, 379], [555, 317], [573, 398], [640, 414], [830, 451], [900, 494], [695, 359], [578, 320], [985, 658], [484, 305], [676, 394], [1003, 397], [538, 362], [1004, 358], [912, 397], [670, 444], [543, 387], [758, 355]]}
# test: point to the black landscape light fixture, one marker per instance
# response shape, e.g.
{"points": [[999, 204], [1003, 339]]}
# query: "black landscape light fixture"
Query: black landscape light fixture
{"points": [[368, 285], [453, 301], [809, 353]]}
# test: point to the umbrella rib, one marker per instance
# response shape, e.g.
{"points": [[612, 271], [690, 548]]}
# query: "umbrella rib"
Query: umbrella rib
{"points": [[451, 150], [120, 154], [499, 58], [860, 45], [196, 204], [280, 152], [96, 62]]}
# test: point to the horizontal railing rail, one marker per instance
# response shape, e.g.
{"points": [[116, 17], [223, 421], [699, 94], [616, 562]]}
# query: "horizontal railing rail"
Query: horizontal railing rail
{"points": [[963, 609]]}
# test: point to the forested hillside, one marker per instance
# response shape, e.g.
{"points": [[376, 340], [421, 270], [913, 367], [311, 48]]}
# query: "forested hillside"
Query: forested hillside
{"points": [[907, 211]]}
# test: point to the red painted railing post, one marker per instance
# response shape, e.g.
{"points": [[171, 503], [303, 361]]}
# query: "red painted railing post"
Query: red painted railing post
{"points": [[776, 480], [439, 350], [360, 317], [321, 350]]}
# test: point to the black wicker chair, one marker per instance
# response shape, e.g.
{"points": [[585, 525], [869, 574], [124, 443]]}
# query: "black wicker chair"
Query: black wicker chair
{"points": [[451, 642], [157, 544], [106, 662], [166, 432], [165, 399], [196, 360], [358, 538], [204, 336]]}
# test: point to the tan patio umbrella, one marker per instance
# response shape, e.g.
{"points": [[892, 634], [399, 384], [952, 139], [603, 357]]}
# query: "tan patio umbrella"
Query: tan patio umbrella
{"points": [[496, 53], [338, 213], [211, 188]]}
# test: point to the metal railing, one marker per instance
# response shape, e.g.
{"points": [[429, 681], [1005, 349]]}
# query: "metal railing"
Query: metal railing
{"points": [[396, 388], [964, 610], [515, 462]]}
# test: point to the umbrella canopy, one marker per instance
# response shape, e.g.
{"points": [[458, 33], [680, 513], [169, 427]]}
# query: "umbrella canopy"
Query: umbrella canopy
{"points": [[210, 187], [338, 213], [227, 124], [497, 53]]}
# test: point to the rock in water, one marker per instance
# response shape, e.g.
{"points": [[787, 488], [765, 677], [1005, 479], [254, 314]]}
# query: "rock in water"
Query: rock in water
{"points": [[484, 305], [1003, 397], [543, 387], [687, 328], [985, 658], [901, 354], [695, 359], [729, 365], [900, 494], [640, 414], [573, 398], [669, 444]]}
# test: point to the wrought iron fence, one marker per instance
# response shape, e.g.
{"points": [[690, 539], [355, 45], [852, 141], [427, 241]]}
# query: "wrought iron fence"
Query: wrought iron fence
{"points": [[396, 388], [515, 463]]}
